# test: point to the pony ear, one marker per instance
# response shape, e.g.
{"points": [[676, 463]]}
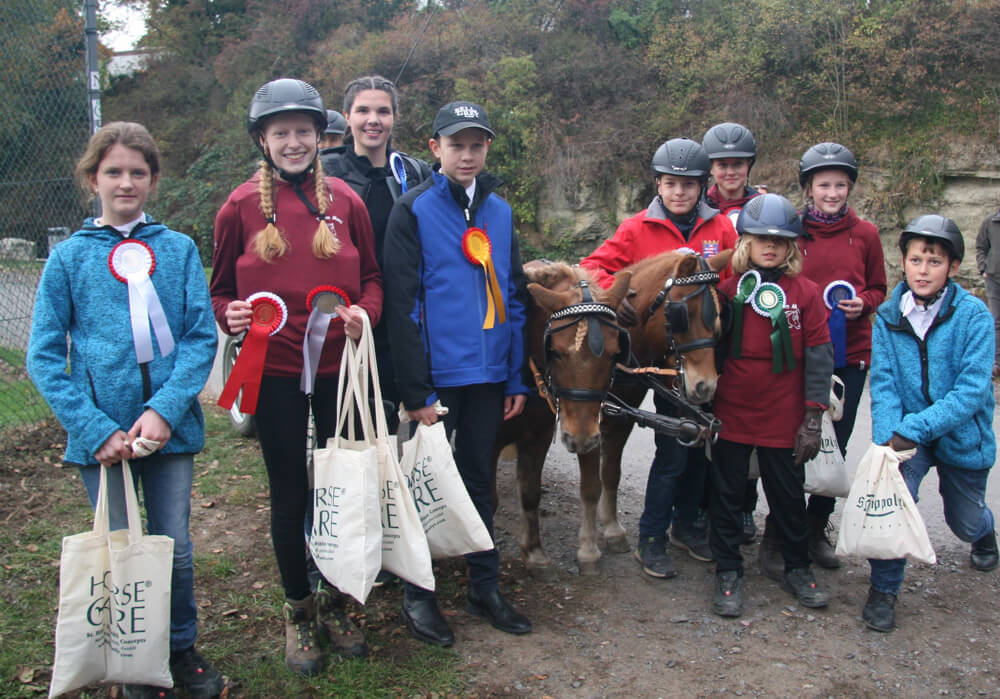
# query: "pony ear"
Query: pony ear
{"points": [[550, 301], [688, 265], [718, 262], [618, 290]]}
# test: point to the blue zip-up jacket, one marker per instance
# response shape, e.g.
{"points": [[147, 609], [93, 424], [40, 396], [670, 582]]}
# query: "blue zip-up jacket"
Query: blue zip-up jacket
{"points": [[101, 391], [936, 392], [435, 299]]}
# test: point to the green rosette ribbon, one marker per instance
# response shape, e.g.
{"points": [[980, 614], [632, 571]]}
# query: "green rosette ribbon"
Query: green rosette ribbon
{"points": [[744, 291], [769, 301]]}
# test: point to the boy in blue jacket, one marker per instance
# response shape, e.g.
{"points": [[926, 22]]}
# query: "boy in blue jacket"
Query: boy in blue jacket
{"points": [[454, 304], [932, 354]]}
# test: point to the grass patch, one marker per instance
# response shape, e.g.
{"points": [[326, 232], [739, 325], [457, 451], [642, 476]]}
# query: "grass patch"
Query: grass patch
{"points": [[236, 580], [20, 402]]}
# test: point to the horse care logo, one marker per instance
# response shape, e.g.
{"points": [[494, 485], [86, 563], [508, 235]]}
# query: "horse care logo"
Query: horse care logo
{"points": [[880, 507], [117, 614], [326, 507], [464, 111], [793, 316]]}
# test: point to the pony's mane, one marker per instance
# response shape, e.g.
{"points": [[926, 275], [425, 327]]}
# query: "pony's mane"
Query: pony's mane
{"points": [[560, 276], [656, 260]]}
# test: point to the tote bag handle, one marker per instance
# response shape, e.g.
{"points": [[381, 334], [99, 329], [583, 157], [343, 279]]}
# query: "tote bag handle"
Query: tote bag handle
{"points": [[102, 516]]}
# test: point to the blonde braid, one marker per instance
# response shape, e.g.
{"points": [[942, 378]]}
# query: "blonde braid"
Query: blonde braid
{"points": [[268, 243], [325, 242]]}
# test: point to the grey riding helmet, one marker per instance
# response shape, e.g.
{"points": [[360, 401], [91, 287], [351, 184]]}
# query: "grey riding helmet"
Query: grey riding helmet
{"points": [[825, 156], [729, 140], [769, 214], [682, 157], [336, 124], [283, 96], [937, 227]]}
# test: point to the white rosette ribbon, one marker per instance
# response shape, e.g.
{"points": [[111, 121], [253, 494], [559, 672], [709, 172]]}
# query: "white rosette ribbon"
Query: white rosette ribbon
{"points": [[132, 262]]}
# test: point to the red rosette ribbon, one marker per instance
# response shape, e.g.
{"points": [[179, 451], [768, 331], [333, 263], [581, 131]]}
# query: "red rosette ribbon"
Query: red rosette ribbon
{"points": [[322, 303], [478, 249], [269, 316], [132, 262]]}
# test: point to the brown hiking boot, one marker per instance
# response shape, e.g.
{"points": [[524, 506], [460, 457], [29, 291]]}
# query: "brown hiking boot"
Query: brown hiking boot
{"points": [[820, 549], [344, 636], [302, 654]]}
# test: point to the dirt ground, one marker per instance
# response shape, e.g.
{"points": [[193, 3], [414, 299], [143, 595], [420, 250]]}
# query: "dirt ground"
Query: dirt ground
{"points": [[622, 635]]}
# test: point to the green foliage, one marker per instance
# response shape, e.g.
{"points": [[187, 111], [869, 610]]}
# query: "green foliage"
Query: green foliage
{"points": [[603, 80]]}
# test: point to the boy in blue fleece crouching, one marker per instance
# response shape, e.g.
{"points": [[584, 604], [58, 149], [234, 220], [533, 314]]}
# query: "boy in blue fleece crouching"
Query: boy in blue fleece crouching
{"points": [[932, 354]]}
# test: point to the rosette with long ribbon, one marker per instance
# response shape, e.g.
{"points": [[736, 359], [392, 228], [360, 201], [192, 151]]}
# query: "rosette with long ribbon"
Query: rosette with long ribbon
{"points": [[479, 251], [833, 294], [132, 262], [747, 284], [769, 301], [269, 316], [322, 303]]}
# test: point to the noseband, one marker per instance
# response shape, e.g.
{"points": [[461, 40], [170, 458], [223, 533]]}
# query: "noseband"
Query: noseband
{"points": [[596, 314]]}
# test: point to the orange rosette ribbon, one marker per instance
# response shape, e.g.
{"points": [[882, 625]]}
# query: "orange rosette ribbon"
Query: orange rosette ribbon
{"points": [[479, 251], [269, 316]]}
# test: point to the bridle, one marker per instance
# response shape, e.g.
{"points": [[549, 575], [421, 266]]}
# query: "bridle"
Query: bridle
{"points": [[676, 318], [595, 314]]}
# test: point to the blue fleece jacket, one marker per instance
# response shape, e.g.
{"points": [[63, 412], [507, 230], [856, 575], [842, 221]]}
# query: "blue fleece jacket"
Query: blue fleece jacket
{"points": [[936, 392], [101, 390], [435, 299]]}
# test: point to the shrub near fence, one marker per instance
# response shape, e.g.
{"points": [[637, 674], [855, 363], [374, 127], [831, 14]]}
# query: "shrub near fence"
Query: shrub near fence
{"points": [[45, 128]]}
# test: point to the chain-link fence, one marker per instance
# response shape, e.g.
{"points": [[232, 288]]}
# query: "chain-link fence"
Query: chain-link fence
{"points": [[43, 112]]}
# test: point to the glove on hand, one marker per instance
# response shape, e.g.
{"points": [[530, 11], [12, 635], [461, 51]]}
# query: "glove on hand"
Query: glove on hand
{"points": [[901, 443], [626, 313], [809, 436]]}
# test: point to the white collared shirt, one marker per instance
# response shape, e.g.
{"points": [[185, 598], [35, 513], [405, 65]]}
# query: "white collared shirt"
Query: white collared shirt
{"points": [[920, 317], [470, 192], [125, 230]]}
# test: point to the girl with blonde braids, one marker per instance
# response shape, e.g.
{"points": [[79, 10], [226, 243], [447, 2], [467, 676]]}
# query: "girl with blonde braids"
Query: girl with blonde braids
{"points": [[292, 233]]}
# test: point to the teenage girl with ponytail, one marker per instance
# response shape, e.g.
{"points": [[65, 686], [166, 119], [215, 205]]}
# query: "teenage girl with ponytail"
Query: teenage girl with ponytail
{"points": [[292, 234]]}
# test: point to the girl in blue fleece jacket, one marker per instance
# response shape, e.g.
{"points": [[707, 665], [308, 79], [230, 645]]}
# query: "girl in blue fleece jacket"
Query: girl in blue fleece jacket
{"points": [[131, 295], [932, 355]]}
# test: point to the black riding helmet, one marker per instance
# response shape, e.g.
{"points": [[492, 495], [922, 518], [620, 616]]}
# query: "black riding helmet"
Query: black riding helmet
{"points": [[939, 228], [284, 96], [729, 140], [682, 157], [825, 156], [769, 214]]}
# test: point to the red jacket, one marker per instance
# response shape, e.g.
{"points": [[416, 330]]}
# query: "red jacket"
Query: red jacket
{"points": [[651, 232], [758, 407], [730, 207], [237, 272], [849, 249]]}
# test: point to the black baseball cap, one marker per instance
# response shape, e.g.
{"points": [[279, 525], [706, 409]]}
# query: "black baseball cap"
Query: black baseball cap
{"points": [[455, 116]]}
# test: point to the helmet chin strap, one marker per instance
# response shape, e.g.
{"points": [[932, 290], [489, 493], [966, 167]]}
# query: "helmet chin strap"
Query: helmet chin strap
{"points": [[928, 301]]}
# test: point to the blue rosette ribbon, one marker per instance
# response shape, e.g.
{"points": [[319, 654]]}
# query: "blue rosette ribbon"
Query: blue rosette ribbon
{"points": [[834, 293]]}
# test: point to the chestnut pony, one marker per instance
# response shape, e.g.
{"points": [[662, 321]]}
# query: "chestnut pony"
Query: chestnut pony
{"points": [[575, 343]]}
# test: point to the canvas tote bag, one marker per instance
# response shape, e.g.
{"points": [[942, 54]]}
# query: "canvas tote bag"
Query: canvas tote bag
{"points": [[826, 473], [404, 545], [880, 519], [346, 537], [451, 521], [114, 602]]}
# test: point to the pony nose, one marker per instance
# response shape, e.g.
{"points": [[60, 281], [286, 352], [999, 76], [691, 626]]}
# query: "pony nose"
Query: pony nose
{"points": [[578, 445], [703, 391]]}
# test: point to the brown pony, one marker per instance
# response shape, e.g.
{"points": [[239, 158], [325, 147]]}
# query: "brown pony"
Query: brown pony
{"points": [[565, 355]]}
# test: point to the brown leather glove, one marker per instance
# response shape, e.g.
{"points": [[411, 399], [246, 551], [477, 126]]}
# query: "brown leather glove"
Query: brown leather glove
{"points": [[901, 443], [626, 313], [809, 436]]}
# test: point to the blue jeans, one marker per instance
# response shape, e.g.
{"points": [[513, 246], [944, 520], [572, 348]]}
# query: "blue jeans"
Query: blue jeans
{"points": [[963, 493], [166, 492], [676, 469]]}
